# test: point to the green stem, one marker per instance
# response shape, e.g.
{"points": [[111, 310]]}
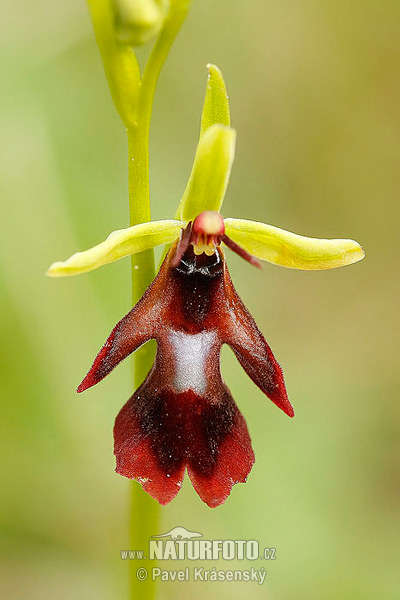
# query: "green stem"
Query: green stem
{"points": [[177, 14], [144, 511]]}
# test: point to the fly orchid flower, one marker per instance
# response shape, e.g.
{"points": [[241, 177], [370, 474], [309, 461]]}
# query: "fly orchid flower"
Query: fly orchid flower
{"points": [[183, 415]]}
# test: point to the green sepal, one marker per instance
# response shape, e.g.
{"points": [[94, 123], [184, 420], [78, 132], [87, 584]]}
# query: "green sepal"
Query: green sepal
{"points": [[119, 244], [288, 249], [216, 102], [210, 173]]}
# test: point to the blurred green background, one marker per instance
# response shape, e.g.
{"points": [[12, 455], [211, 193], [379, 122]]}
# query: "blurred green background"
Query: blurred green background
{"points": [[315, 96]]}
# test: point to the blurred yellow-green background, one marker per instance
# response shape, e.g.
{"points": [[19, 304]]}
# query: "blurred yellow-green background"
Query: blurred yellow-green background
{"points": [[315, 97]]}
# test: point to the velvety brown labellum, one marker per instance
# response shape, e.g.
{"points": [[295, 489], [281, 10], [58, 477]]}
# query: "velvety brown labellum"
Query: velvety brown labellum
{"points": [[183, 415]]}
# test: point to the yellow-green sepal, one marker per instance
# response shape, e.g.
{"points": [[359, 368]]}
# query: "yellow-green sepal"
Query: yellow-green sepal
{"points": [[214, 155], [216, 102], [288, 249], [120, 243], [210, 173]]}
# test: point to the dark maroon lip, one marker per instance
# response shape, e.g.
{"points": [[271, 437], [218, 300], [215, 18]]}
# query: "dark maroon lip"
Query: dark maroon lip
{"points": [[183, 431], [183, 417]]}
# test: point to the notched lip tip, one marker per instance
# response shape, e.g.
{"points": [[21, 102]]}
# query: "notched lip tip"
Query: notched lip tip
{"points": [[217, 502]]}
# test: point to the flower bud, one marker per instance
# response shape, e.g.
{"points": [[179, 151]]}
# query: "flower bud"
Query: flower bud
{"points": [[139, 21]]}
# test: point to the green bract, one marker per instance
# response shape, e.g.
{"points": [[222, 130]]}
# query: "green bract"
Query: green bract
{"points": [[205, 191]]}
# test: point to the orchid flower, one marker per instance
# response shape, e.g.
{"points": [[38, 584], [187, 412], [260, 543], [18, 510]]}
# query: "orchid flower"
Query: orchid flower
{"points": [[183, 415]]}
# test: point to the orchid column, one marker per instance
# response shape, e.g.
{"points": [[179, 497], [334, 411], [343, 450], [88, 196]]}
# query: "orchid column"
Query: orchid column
{"points": [[119, 25]]}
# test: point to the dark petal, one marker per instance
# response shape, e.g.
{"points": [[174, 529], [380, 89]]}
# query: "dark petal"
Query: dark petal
{"points": [[240, 251], [182, 246], [240, 332], [160, 432]]}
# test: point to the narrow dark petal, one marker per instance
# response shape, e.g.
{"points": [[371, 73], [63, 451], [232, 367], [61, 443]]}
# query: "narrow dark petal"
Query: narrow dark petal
{"points": [[240, 251], [182, 246], [160, 432]]}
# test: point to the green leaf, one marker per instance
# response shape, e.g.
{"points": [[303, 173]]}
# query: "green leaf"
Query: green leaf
{"points": [[288, 249], [120, 243], [216, 103], [210, 173]]}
